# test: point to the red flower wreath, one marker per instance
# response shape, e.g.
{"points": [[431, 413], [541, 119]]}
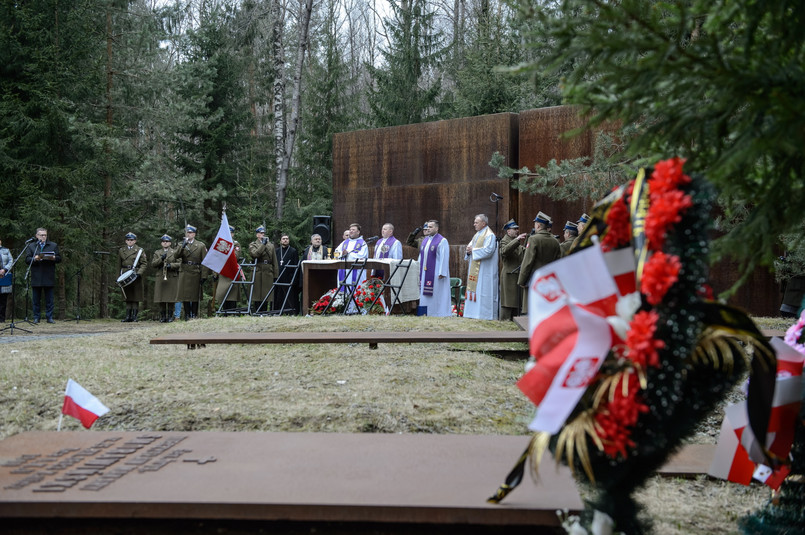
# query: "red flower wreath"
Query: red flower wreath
{"points": [[619, 228], [616, 417], [659, 274], [642, 347], [666, 209], [668, 176]]}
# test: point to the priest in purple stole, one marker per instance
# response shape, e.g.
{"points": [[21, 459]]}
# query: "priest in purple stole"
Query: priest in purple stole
{"points": [[387, 247], [351, 249], [434, 272]]}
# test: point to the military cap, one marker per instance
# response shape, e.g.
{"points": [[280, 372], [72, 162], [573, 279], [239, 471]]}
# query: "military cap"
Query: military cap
{"points": [[190, 228], [511, 224], [131, 236], [165, 237], [261, 228], [544, 219], [572, 227], [583, 219]]}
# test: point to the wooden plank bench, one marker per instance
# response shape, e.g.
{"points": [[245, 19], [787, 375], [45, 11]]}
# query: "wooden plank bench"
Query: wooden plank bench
{"points": [[371, 338]]}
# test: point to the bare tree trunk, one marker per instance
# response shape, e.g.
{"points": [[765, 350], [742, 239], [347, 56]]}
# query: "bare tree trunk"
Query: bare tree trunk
{"points": [[305, 8], [278, 101]]}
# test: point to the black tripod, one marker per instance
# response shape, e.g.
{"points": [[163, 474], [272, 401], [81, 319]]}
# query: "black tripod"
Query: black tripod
{"points": [[13, 325]]}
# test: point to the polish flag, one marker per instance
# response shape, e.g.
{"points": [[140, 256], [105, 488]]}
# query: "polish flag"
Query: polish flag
{"points": [[221, 256], [568, 303], [80, 404], [621, 265], [739, 457]]}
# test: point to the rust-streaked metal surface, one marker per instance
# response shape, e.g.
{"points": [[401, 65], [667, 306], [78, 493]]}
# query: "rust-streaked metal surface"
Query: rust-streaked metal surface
{"points": [[408, 174], [351, 337], [311, 477]]}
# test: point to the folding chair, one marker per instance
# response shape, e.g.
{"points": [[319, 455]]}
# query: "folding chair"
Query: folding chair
{"points": [[347, 285], [394, 289], [289, 287]]}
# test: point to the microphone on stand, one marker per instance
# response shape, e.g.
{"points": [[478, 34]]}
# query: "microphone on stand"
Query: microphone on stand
{"points": [[495, 197], [101, 252], [29, 240], [373, 238]]}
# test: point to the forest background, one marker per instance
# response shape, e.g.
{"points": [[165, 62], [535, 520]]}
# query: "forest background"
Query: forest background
{"points": [[141, 115]]}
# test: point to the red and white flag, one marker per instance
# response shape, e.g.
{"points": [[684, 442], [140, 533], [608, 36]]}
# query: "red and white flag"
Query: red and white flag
{"points": [[568, 302], [80, 404], [621, 265], [738, 456], [221, 256]]}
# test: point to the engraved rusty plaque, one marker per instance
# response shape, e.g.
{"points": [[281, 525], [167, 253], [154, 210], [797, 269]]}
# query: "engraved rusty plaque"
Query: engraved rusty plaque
{"points": [[311, 477]]}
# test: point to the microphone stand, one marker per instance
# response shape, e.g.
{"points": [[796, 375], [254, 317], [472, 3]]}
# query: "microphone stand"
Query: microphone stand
{"points": [[13, 325]]}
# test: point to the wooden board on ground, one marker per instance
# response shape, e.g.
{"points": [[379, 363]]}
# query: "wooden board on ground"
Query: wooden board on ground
{"points": [[383, 337], [296, 477], [692, 460]]}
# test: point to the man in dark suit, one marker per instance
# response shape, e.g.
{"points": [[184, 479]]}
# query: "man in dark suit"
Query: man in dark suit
{"points": [[42, 255], [288, 277]]}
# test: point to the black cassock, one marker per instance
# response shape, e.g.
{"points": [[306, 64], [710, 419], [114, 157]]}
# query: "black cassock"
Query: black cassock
{"points": [[288, 260]]}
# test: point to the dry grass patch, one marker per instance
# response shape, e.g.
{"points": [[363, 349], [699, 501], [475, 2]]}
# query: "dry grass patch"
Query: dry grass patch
{"points": [[398, 388]]}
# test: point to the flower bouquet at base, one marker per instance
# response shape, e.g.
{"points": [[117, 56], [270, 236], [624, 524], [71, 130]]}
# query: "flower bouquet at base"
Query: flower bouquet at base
{"points": [[332, 302], [629, 352], [367, 293]]}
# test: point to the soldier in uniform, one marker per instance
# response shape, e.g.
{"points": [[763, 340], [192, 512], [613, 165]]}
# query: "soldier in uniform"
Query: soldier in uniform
{"points": [[542, 248], [167, 279], [511, 255], [267, 269], [571, 233], [132, 257], [191, 272], [580, 224]]}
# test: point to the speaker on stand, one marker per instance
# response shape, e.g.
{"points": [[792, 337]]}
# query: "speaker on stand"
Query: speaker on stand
{"points": [[321, 226]]}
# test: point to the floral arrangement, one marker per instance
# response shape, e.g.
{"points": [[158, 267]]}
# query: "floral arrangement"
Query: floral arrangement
{"points": [[334, 302], [330, 303], [672, 364], [365, 295]]}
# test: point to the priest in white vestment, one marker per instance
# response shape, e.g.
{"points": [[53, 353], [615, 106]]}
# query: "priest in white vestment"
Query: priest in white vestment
{"points": [[434, 272], [352, 248], [481, 300]]}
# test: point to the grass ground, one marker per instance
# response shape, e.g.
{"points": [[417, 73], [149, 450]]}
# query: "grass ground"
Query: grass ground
{"points": [[345, 388]]}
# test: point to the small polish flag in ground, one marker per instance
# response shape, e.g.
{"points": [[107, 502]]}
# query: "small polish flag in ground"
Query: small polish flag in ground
{"points": [[80, 404], [221, 256]]}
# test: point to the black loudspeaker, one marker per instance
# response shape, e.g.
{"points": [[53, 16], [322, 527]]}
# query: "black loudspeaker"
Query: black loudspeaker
{"points": [[321, 226]]}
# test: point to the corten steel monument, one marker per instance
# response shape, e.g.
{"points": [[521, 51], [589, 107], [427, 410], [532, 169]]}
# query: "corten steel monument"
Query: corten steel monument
{"points": [[440, 170]]}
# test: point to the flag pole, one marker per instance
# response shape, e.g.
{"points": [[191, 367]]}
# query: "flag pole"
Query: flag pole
{"points": [[61, 417]]}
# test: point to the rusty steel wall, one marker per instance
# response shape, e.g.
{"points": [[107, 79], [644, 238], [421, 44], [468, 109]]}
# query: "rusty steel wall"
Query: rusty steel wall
{"points": [[540, 142], [408, 174]]}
